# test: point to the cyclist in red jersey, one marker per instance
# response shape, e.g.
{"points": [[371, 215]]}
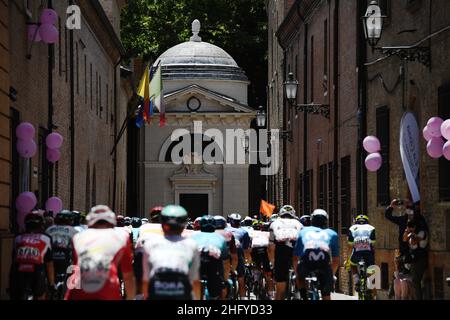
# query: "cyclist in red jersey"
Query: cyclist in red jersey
{"points": [[100, 253]]}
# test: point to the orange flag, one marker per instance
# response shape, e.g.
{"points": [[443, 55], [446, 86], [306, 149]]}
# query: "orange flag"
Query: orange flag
{"points": [[266, 208]]}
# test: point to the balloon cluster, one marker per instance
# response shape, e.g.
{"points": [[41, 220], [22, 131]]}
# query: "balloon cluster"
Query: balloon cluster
{"points": [[54, 141], [435, 133], [26, 146], [374, 160], [46, 30]]}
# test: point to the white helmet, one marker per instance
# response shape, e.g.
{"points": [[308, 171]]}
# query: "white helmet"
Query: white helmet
{"points": [[101, 213], [287, 210], [320, 212]]}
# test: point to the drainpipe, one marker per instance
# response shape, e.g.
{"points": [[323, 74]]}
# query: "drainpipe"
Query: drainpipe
{"points": [[51, 54], [72, 119]]}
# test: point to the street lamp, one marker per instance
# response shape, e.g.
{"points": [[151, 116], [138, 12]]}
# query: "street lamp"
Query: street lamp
{"points": [[261, 117], [373, 29], [373, 23], [291, 88]]}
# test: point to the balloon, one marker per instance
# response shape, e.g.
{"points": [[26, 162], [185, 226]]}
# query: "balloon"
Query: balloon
{"points": [[426, 134], [33, 33], [49, 33], [434, 147], [53, 155], [26, 201], [372, 144], [445, 129], [374, 162], [25, 131], [49, 16], [26, 148], [446, 150], [54, 204], [434, 126], [54, 141]]}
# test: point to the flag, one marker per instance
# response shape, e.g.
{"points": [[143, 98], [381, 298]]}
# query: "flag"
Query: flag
{"points": [[144, 92], [156, 94], [266, 208]]}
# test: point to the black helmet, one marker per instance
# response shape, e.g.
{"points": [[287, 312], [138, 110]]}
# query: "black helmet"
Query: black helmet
{"points": [[174, 216], [207, 224], [127, 221], [220, 222], [155, 214], [319, 219], [136, 222], [34, 222], [64, 218], [305, 220], [120, 221]]}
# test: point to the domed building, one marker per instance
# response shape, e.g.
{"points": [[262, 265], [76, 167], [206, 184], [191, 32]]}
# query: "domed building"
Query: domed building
{"points": [[205, 98]]}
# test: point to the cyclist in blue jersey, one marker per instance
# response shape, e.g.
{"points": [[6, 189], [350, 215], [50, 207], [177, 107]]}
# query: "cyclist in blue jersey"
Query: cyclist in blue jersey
{"points": [[317, 249], [213, 251], [242, 239]]}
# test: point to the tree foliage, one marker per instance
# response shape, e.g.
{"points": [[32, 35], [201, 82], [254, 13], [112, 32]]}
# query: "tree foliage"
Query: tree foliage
{"points": [[149, 27]]}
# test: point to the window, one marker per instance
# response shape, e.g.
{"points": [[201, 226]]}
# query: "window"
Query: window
{"points": [[444, 165], [383, 187], [345, 194]]}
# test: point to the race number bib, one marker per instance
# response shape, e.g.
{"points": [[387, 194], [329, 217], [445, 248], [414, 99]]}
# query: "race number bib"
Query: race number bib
{"points": [[285, 234], [361, 244], [260, 239]]}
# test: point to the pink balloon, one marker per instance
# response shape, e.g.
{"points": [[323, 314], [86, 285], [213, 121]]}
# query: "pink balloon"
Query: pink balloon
{"points": [[54, 204], [434, 126], [49, 16], [26, 148], [434, 147], [54, 141], [25, 131], [426, 134], [33, 33], [26, 201], [49, 33], [53, 155], [374, 162], [372, 144], [445, 129], [446, 150]]}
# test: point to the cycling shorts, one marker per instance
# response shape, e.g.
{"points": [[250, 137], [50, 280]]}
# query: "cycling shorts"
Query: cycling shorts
{"points": [[260, 257], [211, 270], [323, 273], [283, 262], [31, 282], [367, 256], [240, 268]]}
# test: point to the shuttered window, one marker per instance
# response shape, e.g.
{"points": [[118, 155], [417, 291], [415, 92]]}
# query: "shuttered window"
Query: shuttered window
{"points": [[444, 164], [383, 196]]}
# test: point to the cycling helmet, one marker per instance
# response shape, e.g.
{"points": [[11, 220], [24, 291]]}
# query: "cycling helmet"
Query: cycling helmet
{"points": [[76, 216], [257, 225], [174, 216], [287, 212], [305, 220], [235, 219], [120, 221], [197, 223], [144, 220], [64, 218], [190, 225], [127, 221], [34, 222], [220, 222], [273, 217], [155, 214], [362, 219], [247, 222], [319, 218], [101, 213], [136, 222], [207, 224]]}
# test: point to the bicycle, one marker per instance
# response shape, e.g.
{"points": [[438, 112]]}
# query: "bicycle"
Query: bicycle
{"points": [[255, 282], [204, 294], [363, 292], [313, 292], [232, 287], [292, 292], [60, 287]]}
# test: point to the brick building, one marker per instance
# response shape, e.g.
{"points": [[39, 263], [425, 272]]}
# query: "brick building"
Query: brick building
{"points": [[321, 162], [81, 74], [394, 87]]}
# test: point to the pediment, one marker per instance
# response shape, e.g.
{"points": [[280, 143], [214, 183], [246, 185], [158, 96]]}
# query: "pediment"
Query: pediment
{"points": [[210, 101]]}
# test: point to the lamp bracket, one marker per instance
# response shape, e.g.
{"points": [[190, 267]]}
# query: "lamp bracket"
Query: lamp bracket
{"points": [[314, 108], [417, 54]]}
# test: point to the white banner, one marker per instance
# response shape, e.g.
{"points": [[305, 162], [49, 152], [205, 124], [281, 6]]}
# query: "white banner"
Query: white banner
{"points": [[410, 151]]}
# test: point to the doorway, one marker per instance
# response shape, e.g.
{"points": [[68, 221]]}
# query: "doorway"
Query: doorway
{"points": [[196, 204]]}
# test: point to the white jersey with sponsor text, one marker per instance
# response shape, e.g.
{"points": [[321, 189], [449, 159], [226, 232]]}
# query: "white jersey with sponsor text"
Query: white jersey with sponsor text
{"points": [[285, 229]]}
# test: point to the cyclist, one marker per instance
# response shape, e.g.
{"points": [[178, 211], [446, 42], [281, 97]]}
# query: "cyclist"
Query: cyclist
{"points": [[361, 240], [32, 265], [213, 252], [285, 231], [144, 221], [305, 220], [100, 253], [171, 264], [197, 224], [155, 214], [242, 239], [77, 218], [61, 234], [136, 223], [317, 249]]}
